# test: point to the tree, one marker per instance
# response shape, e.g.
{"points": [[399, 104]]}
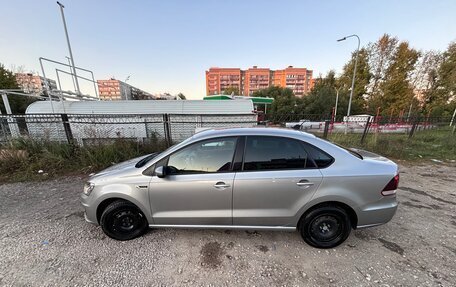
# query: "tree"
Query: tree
{"points": [[17, 103], [440, 98], [423, 80], [233, 90], [322, 99], [362, 79], [285, 102], [380, 56], [396, 91]]}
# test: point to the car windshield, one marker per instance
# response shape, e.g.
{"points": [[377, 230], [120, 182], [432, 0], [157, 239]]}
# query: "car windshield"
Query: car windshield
{"points": [[148, 158]]}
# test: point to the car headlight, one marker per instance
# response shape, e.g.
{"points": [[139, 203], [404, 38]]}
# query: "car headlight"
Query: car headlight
{"points": [[88, 187]]}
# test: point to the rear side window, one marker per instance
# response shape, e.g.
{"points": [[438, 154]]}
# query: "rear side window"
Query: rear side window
{"points": [[320, 158], [274, 153]]}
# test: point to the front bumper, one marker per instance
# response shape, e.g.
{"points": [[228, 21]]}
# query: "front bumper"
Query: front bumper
{"points": [[90, 211]]}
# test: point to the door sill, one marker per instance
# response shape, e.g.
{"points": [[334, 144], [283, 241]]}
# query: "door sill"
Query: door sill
{"points": [[235, 227]]}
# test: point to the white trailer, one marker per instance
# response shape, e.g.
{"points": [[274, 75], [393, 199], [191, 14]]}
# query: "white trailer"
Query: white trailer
{"points": [[90, 120]]}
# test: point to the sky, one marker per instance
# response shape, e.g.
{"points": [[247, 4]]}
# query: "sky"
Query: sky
{"points": [[166, 46]]}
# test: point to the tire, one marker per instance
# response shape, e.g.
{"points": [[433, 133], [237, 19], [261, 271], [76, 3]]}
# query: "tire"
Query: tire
{"points": [[122, 220], [325, 226]]}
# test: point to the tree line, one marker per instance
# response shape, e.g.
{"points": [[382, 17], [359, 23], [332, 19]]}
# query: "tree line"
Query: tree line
{"points": [[392, 78]]}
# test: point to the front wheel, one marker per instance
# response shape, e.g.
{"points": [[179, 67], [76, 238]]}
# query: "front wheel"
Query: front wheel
{"points": [[122, 220], [325, 227]]}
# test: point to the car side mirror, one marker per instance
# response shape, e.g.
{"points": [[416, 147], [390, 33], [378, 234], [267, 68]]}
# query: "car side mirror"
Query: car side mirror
{"points": [[160, 171]]}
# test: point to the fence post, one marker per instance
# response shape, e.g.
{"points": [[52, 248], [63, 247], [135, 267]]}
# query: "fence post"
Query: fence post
{"points": [[325, 131], [167, 130], [366, 129], [412, 131], [67, 128]]}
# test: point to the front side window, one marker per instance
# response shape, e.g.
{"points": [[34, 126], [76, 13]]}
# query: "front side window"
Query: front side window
{"points": [[274, 153], [208, 156]]}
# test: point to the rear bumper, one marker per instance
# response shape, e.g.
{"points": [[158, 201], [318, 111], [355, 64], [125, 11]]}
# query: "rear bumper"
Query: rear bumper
{"points": [[377, 213]]}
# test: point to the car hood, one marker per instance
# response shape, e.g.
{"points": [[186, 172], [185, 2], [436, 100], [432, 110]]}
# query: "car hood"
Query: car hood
{"points": [[120, 167]]}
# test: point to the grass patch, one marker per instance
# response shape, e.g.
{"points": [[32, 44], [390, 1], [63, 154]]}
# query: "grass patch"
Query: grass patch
{"points": [[24, 158], [437, 144]]}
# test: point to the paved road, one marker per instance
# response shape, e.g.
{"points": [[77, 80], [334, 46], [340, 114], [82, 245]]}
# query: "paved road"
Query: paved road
{"points": [[45, 241]]}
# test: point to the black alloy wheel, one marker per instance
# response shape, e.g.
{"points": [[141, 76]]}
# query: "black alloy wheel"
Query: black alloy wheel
{"points": [[122, 220], [325, 227]]}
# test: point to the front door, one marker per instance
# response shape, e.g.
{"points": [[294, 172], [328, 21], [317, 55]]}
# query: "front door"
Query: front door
{"points": [[198, 188]]}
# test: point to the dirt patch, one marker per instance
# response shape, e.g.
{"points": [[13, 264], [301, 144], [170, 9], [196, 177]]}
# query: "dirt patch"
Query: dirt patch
{"points": [[450, 248], [262, 248], [38, 244], [420, 192], [252, 233], [392, 246], [427, 174], [361, 235], [415, 205], [211, 255]]}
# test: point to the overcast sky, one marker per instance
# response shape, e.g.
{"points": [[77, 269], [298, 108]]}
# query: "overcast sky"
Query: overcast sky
{"points": [[165, 46]]}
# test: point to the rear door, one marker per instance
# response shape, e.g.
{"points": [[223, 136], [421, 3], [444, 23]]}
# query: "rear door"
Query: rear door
{"points": [[277, 178]]}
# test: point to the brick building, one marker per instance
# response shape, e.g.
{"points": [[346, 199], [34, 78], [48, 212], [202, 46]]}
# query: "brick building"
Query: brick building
{"points": [[112, 89], [248, 81], [34, 84]]}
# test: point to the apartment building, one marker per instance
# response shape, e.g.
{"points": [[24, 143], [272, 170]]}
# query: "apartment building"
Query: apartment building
{"points": [[112, 90], [219, 79], [34, 84], [248, 81]]}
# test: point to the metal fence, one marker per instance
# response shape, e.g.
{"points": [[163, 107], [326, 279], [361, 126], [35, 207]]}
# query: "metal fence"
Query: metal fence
{"points": [[324, 125], [84, 129], [87, 128]]}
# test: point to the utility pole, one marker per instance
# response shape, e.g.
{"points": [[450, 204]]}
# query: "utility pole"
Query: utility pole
{"points": [[78, 91]]}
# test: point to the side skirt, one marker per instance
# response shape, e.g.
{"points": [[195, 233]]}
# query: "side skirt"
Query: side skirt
{"points": [[368, 225], [235, 227]]}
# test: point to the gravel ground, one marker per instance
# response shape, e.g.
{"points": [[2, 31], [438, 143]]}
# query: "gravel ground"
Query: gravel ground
{"points": [[44, 241]]}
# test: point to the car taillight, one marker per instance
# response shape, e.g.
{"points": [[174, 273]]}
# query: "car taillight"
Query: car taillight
{"points": [[391, 187]]}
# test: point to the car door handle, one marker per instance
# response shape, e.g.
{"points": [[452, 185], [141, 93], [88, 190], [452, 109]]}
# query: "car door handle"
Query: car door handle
{"points": [[221, 185], [305, 183]]}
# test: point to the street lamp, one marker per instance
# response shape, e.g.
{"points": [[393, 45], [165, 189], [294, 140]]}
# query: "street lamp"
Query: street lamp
{"points": [[72, 77], [354, 71], [69, 48], [337, 101], [452, 118]]}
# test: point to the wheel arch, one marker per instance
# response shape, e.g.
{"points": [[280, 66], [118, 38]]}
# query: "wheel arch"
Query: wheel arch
{"points": [[107, 201], [350, 211]]}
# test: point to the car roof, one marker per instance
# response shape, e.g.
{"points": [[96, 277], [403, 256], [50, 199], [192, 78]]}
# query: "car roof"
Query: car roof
{"points": [[264, 131]]}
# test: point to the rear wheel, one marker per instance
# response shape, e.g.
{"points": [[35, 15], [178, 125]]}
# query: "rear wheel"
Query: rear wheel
{"points": [[122, 220], [325, 227]]}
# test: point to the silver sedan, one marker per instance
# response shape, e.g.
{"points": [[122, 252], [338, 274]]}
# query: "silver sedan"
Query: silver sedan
{"points": [[246, 178]]}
